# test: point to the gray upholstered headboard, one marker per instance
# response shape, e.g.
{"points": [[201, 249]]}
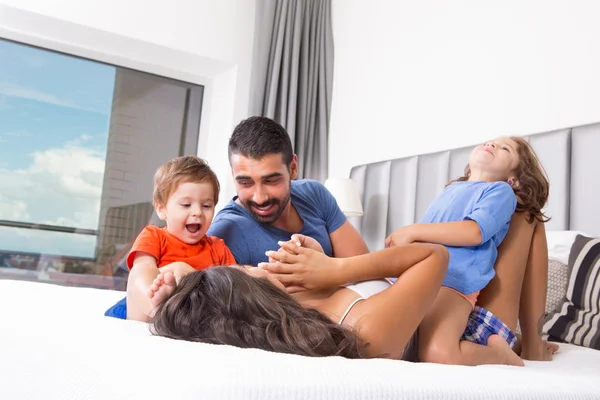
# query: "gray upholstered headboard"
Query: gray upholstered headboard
{"points": [[397, 192]]}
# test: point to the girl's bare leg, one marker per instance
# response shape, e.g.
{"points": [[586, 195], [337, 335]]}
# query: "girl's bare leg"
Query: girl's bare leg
{"points": [[502, 295], [441, 331], [518, 291], [533, 300]]}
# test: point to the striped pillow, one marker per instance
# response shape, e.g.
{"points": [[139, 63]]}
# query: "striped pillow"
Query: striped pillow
{"points": [[576, 319]]}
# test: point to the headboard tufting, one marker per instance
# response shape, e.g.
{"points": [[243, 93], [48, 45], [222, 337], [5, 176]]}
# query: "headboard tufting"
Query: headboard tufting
{"points": [[397, 192]]}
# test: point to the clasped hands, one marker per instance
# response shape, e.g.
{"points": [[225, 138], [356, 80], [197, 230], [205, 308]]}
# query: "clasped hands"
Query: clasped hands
{"points": [[300, 264]]}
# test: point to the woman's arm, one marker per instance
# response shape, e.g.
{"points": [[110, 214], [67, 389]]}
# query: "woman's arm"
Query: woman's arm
{"points": [[388, 320], [303, 269]]}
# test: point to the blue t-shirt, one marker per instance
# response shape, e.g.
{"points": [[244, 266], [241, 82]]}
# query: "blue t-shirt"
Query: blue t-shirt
{"points": [[248, 239], [491, 205]]}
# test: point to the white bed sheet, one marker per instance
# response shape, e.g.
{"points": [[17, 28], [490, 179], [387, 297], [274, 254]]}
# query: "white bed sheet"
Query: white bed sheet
{"points": [[55, 343]]}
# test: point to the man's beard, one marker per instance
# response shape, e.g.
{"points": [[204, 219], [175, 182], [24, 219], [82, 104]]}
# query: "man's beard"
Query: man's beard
{"points": [[274, 216]]}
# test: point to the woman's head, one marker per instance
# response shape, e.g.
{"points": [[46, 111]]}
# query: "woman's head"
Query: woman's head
{"points": [[513, 160], [226, 305]]}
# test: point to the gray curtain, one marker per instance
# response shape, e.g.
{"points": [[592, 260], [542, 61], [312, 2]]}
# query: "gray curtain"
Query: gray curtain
{"points": [[293, 74]]}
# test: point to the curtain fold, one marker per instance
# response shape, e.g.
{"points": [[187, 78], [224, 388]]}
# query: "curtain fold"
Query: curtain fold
{"points": [[298, 76]]}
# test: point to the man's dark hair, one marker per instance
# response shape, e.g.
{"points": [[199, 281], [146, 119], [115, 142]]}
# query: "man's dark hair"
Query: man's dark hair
{"points": [[257, 137]]}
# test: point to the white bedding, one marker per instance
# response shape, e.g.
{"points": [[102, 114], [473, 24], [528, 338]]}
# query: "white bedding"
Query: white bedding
{"points": [[56, 344]]}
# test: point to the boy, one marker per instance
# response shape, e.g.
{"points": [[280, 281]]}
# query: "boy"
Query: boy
{"points": [[186, 191]]}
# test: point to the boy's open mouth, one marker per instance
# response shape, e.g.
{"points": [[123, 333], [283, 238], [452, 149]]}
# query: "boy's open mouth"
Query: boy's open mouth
{"points": [[193, 228]]}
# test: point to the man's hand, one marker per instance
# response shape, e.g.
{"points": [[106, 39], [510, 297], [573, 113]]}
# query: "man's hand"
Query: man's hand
{"points": [[300, 268]]}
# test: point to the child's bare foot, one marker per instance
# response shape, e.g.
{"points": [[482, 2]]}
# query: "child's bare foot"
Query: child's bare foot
{"points": [[539, 350], [510, 357], [162, 287]]}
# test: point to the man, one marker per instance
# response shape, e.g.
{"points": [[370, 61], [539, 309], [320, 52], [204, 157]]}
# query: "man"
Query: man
{"points": [[271, 205]]}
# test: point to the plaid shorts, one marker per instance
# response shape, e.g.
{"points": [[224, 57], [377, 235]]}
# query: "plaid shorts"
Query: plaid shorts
{"points": [[482, 324]]}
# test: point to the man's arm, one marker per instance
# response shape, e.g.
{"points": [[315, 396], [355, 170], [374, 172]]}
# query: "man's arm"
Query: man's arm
{"points": [[345, 239], [347, 242]]}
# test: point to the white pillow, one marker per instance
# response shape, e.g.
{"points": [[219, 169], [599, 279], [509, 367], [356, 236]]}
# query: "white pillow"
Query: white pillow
{"points": [[559, 244]]}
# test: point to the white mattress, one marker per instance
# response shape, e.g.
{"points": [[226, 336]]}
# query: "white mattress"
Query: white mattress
{"points": [[56, 344]]}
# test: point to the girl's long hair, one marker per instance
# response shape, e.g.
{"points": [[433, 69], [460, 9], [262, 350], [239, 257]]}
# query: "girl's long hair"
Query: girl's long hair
{"points": [[532, 188], [224, 305]]}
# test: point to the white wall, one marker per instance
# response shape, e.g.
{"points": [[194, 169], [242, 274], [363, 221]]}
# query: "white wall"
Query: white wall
{"points": [[414, 77], [201, 41]]}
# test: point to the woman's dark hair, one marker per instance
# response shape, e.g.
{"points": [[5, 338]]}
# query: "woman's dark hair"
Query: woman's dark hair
{"points": [[224, 305]]}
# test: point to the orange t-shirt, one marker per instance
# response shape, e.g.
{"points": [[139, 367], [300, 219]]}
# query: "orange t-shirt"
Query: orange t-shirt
{"points": [[166, 248]]}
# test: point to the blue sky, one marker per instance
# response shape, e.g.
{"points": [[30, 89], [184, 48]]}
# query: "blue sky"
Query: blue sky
{"points": [[54, 119]]}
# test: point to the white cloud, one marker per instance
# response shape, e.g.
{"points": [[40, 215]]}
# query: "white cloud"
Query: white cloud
{"points": [[12, 90], [14, 210], [61, 186], [76, 170], [16, 134], [4, 103], [80, 141]]}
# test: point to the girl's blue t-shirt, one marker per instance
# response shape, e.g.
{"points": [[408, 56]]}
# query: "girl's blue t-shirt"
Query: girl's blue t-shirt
{"points": [[491, 205]]}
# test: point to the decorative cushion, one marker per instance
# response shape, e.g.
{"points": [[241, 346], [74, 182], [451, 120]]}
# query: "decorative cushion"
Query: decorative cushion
{"points": [[576, 319], [558, 274]]}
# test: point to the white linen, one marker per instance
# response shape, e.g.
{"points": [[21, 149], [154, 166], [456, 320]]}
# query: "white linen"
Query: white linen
{"points": [[56, 344], [559, 244]]}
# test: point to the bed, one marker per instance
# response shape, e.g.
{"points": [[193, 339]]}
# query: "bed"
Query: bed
{"points": [[56, 343]]}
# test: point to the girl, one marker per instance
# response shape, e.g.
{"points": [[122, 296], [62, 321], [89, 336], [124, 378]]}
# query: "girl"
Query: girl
{"points": [[247, 307], [471, 217]]}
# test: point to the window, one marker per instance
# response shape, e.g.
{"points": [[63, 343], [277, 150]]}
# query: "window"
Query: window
{"points": [[79, 144]]}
